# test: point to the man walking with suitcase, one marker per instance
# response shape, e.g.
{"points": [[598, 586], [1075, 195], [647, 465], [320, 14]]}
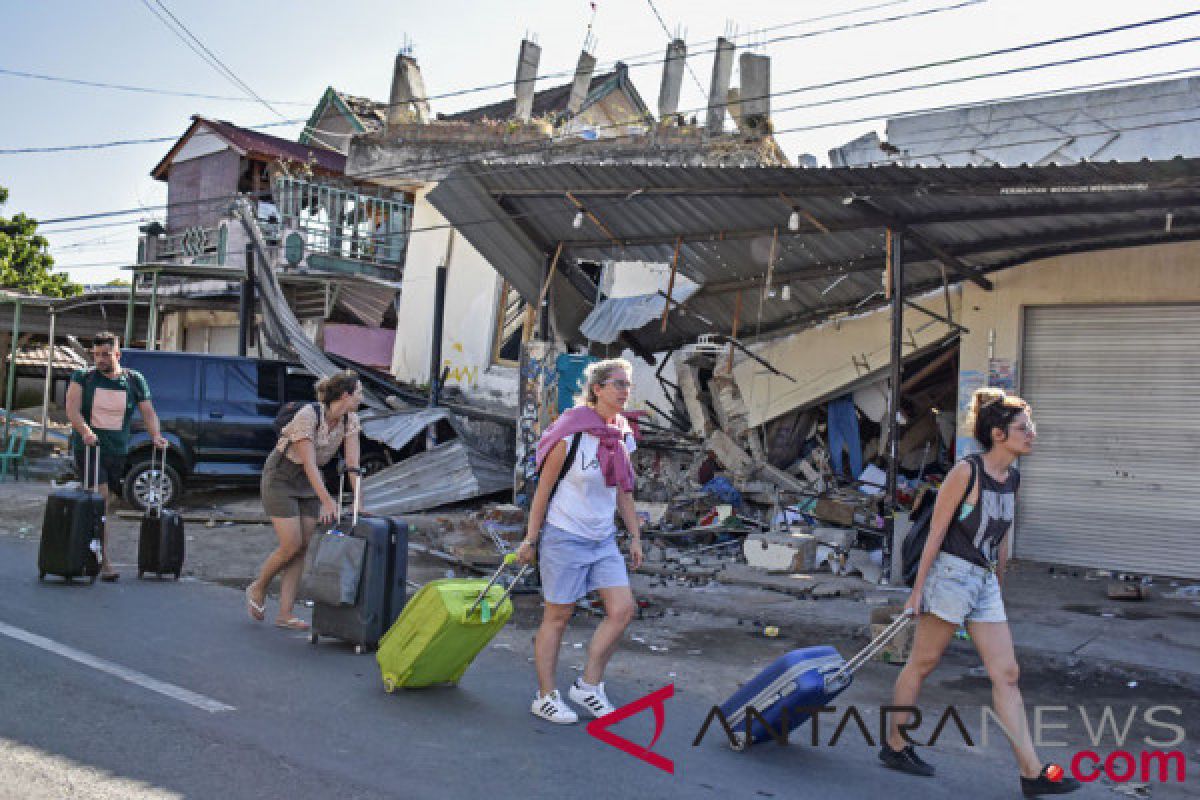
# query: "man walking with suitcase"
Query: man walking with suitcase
{"points": [[100, 406]]}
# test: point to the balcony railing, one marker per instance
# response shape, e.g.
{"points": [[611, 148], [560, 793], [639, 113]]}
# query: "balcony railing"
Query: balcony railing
{"points": [[195, 245], [344, 223]]}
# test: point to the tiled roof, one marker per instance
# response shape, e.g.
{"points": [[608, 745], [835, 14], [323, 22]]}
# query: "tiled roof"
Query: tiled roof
{"points": [[255, 143], [371, 114]]}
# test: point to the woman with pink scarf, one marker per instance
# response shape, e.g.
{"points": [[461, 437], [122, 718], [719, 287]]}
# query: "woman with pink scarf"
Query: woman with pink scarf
{"points": [[572, 534]]}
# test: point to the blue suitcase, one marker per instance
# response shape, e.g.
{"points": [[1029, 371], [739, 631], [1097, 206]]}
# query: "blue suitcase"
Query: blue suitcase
{"points": [[810, 677]]}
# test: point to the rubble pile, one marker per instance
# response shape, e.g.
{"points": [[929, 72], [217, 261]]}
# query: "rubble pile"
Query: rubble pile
{"points": [[721, 500]]}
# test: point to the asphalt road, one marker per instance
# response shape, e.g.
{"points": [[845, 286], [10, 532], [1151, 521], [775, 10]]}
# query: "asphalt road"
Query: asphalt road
{"points": [[242, 709]]}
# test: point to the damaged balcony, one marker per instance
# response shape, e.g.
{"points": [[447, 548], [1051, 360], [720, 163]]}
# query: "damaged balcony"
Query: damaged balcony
{"points": [[327, 228]]}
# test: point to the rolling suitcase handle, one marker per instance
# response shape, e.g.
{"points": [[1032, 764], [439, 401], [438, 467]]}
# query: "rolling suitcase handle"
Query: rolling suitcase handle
{"points": [[875, 645], [162, 469], [508, 559], [87, 461], [342, 491]]}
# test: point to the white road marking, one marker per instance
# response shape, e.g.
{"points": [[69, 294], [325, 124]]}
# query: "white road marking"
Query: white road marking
{"points": [[116, 670]]}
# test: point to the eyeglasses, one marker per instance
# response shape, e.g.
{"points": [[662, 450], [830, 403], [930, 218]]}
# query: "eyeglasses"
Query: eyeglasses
{"points": [[620, 384], [1031, 429]]}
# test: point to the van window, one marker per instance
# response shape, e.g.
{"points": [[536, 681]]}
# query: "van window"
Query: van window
{"points": [[243, 382], [299, 386], [168, 378]]}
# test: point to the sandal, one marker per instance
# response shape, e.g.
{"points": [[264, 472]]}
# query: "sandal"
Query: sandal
{"points": [[257, 611], [293, 624]]}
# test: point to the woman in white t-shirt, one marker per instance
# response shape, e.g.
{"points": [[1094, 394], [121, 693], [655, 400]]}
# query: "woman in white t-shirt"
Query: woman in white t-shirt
{"points": [[586, 479]]}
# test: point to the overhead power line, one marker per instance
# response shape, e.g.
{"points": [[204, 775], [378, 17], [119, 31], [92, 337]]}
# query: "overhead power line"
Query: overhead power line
{"points": [[599, 204], [817, 86], [16, 73]]}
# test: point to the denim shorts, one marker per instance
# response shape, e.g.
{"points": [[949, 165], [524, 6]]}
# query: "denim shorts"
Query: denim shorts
{"points": [[958, 591], [571, 566]]}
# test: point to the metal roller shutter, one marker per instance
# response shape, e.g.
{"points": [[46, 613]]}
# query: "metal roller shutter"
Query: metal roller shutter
{"points": [[1114, 480]]}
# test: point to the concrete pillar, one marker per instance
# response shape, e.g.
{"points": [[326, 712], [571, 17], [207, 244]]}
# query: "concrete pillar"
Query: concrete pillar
{"points": [[672, 79], [527, 65], [583, 82], [130, 308], [755, 95], [718, 91], [152, 322], [50, 338], [407, 102], [11, 377]]}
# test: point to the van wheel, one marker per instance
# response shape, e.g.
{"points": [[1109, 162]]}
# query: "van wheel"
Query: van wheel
{"points": [[147, 485]]}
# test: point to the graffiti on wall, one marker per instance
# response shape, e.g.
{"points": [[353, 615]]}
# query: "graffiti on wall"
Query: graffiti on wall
{"points": [[460, 372], [537, 398]]}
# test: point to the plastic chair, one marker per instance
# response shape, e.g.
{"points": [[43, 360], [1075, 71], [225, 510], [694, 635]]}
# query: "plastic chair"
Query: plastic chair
{"points": [[15, 452]]}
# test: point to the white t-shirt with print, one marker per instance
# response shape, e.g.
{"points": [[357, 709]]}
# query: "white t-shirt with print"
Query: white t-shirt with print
{"points": [[583, 504]]}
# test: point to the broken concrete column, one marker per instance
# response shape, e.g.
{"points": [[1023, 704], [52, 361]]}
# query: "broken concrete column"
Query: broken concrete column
{"points": [[527, 65], [583, 82], [754, 100], [730, 456], [407, 102], [732, 413], [689, 388], [719, 88], [672, 79]]}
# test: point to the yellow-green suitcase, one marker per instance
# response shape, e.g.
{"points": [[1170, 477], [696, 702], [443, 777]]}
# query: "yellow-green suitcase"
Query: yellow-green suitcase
{"points": [[442, 629]]}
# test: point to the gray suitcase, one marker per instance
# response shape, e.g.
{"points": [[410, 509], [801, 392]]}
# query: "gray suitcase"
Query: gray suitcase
{"points": [[382, 587]]}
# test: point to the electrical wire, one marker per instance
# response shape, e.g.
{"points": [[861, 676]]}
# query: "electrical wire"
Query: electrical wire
{"points": [[671, 38], [795, 90], [140, 89]]}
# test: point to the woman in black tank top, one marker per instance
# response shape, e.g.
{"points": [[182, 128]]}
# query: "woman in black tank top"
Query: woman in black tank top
{"points": [[959, 580]]}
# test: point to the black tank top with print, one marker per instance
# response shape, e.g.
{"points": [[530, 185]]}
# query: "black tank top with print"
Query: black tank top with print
{"points": [[975, 537]]}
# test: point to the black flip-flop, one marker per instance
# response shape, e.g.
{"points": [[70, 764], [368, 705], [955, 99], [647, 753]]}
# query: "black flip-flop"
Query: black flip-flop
{"points": [[110, 577]]}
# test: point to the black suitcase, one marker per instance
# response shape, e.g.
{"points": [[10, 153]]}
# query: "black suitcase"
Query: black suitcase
{"points": [[382, 591], [71, 530], [160, 539]]}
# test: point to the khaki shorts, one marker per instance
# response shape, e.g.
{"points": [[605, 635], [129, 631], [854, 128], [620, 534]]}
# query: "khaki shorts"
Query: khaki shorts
{"points": [[285, 489]]}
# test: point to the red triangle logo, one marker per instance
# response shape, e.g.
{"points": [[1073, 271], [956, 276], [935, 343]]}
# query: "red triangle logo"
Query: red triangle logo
{"points": [[654, 701]]}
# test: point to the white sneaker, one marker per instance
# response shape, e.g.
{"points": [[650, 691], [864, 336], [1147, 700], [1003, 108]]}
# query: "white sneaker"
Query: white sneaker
{"points": [[594, 701], [551, 707]]}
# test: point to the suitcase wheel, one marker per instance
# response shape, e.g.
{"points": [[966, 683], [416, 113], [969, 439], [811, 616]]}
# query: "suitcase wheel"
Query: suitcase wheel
{"points": [[41, 577], [389, 684], [312, 637], [176, 576], [91, 579], [359, 649], [140, 574], [740, 742]]}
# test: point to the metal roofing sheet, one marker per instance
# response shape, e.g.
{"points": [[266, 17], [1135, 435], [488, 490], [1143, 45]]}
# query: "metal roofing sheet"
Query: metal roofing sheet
{"points": [[730, 226]]}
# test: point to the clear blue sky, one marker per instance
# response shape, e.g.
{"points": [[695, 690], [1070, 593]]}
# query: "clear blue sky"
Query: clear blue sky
{"points": [[291, 51]]}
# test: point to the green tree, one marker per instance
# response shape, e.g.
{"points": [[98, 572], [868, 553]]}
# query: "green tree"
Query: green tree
{"points": [[24, 262]]}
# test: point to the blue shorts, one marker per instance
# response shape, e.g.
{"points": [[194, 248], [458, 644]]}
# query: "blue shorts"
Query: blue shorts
{"points": [[571, 566], [958, 591]]}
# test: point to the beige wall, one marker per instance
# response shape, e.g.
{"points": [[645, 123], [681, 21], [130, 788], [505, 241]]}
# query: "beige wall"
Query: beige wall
{"points": [[1160, 274], [472, 294], [827, 359]]}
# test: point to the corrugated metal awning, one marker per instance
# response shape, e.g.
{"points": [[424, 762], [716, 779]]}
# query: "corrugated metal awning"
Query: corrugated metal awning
{"points": [[732, 228]]}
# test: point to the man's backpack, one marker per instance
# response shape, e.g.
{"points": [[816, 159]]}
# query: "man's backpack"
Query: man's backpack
{"points": [[922, 519]]}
